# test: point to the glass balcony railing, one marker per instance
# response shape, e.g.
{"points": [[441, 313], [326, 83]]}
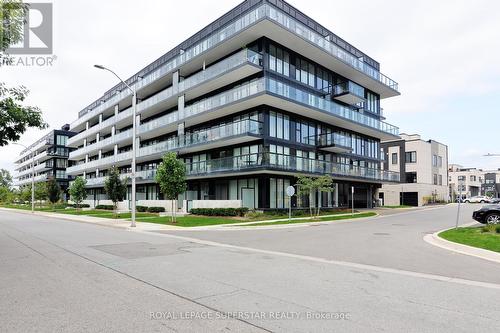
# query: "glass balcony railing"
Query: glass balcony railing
{"points": [[102, 143], [333, 139], [349, 87], [287, 163], [102, 162], [314, 101], [320, 41], [247, 126]]}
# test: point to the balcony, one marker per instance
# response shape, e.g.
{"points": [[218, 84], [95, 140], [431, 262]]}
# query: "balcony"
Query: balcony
{"points": [[280, 95], [285, 164], [349, 93], [39, 178], [120, 138], [158, 126], [103, 163], [334, 142], [224, 135], [234, 68], [44, 142]]}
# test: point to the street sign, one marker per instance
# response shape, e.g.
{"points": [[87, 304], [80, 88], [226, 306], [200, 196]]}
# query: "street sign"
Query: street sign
{"points": [[290, 190]]}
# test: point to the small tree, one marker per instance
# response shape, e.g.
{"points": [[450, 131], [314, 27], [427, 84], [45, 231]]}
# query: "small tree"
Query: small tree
{"points": [[25, 193], [115, 188], [323, 184], [5, 194], [305, 186], [41, 192], [171, 176], [77, 191], [53, 190], [5, 178]]}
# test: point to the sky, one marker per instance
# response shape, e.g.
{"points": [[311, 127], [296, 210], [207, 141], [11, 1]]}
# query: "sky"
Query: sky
{"points": [[444, 55]]}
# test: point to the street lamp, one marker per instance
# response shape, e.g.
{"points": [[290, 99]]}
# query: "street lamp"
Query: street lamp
{"points": [[134, 103], [32, 175]]}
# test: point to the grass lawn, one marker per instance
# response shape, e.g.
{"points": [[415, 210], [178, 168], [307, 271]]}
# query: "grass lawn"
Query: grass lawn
{"points": [[191, 220], [474, 236], [321, 219]]}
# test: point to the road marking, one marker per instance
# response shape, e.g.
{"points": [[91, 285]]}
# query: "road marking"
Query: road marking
{"points": [[333, 262]]}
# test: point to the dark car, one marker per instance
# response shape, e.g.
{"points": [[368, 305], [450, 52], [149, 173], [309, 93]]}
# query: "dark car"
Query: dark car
{"points": [[495, 200], [489, 214]]}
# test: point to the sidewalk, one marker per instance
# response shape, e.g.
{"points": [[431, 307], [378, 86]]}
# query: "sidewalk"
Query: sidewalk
{"points": [[112, 223]]}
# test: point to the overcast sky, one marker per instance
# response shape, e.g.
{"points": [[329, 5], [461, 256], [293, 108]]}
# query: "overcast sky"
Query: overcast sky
{"points": [[445, 55]]}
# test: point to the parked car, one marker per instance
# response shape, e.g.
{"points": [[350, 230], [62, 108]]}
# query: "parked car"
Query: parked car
{"points": [[479, 198], [489, 214], [495, 200]]}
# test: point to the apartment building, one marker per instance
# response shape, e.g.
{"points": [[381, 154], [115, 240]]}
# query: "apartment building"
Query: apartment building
{"points": [[423, 165], [259, 96], [471, 182], [50, 160]]}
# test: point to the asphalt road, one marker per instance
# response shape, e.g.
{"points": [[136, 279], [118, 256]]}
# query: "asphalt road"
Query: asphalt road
{"points": [[375, 274]]}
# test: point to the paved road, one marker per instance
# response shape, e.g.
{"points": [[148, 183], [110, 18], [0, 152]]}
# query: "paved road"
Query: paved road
{"points": [[62, 276]]}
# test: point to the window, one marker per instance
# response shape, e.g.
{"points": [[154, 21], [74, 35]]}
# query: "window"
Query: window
{"points": [[434, 161], [440, 179], [305, 132], [304, 72], [435, 179], [472, 178], [461, 178], [61, 163], [279, 60], [279, 155], [462, 188], [60, 174], [411, 177], [411, 157], [279, 125], [372, 103], [440, 161], [61, 140], [394, 157]]}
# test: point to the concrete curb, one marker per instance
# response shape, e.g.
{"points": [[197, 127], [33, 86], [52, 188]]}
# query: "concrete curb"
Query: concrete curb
{"points": [[435, 240]]}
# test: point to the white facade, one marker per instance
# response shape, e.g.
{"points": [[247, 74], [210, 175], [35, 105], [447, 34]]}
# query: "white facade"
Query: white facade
{"points": [[424, 171]]}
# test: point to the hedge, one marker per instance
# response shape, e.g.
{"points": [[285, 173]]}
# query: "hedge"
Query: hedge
{"points": [[105, 207], [141, 209], [79, 206], [156, 209], [219, 211]]}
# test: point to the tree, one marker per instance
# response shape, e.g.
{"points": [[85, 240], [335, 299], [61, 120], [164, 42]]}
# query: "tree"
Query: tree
{"points": [[310, 185], [77, 191], [305, 186], [5, 178], [323, 184], [41, 192], [13, 18], [25, 193], [53, 190], [15, 118], [5, 194], [115, 188], [171, 176]]}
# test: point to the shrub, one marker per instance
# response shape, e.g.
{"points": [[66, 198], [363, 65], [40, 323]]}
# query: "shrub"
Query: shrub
{"points": [[220, 211], [105, 207], [156, 209], [497, 229], [485, 229], [141, 209], [80, 205]]}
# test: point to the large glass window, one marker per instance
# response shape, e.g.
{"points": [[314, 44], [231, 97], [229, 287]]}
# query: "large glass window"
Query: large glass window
{"points": [[372, 102], [277, 193], [279, 125], [305, 132], [279, 60], [304, 72], [62, 140]]}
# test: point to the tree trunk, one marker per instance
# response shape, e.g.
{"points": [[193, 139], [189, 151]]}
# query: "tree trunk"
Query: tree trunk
{"points": [[175, 211], [318, 203], [310, 204], [172, 213]]}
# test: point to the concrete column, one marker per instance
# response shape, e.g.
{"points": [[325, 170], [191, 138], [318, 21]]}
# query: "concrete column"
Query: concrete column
{"points": [[87, 125], [97, 172], [100, 154], [180, 128], [180, 106], [97, 137], [113, 130], [116, 109], [85, 142], [86, 158], [116, 149], [175, 81], [84, 174], [100, 118]]}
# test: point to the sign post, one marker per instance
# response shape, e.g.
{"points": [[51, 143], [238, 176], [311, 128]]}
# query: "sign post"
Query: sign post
{"points": [[290, 191], [352, 199], [460, 184]]}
